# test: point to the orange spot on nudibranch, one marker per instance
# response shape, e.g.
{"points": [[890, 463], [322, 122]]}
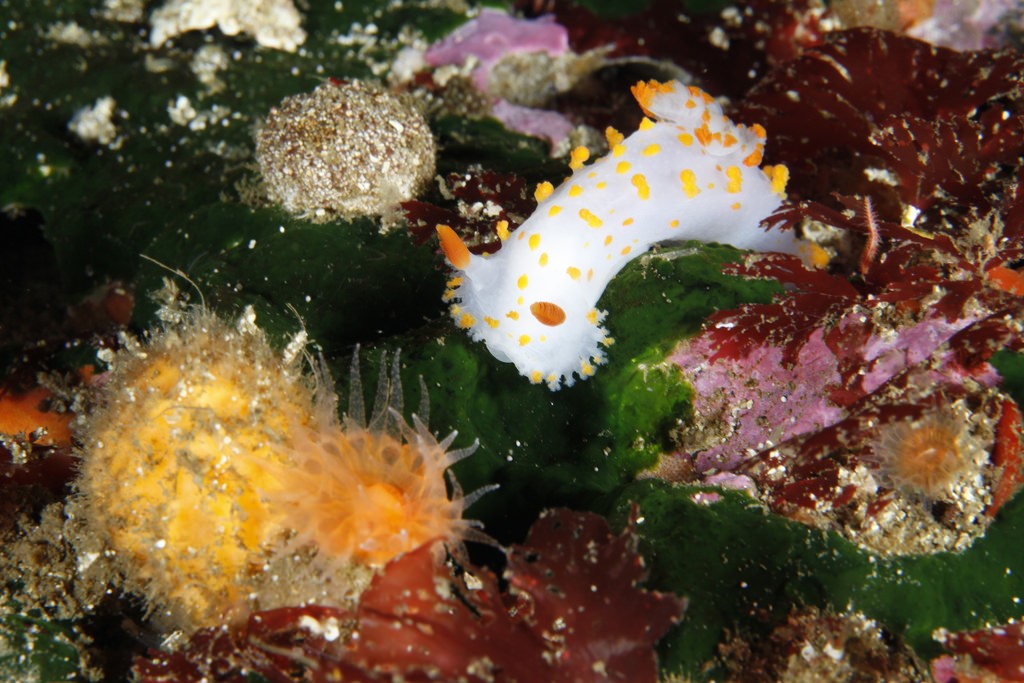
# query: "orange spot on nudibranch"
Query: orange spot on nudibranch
{"points": [[578, 157], [591, 220], [543, 191], [779, 176], [754, 158], [645, 92], [547, 313], [703, 134], [689, 180], [639, 181], [454, 248], [735, 176]]}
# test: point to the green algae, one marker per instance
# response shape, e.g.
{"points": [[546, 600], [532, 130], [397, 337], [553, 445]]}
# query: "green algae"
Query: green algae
{"points": [[576, 447], [103, 207], [33, 648], [1010, 365], [743, 569], [171, 193]]}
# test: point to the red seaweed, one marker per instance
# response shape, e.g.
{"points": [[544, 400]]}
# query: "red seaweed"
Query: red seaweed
{"points": [[572, 607], [996, 650]]}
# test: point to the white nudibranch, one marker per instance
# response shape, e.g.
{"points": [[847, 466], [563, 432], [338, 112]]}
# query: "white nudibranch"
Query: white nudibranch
{"points": [[687, 173]]}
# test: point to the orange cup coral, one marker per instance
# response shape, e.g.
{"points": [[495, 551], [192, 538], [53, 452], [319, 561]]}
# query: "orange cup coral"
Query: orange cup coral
{"points": [[926, 457], [369, 491]]}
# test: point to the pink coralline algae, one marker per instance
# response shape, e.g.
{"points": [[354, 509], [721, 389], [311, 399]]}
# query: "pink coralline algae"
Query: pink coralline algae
{"points": [[798, 397], [768, 394], [748, 394], [520, 64], [493, 35], [969, 24], [538, 123], [921, 290]]}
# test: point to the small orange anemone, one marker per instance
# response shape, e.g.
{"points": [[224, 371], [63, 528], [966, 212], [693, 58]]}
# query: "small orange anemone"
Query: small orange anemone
{"points": [[370, 491], [925, 457]]}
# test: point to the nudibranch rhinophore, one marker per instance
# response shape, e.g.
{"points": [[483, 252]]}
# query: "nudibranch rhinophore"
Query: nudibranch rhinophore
{"points": [[687, 173]]}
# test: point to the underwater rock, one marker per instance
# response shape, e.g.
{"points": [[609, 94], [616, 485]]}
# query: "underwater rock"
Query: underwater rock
{"points": [[816, 646], [273, 23]]}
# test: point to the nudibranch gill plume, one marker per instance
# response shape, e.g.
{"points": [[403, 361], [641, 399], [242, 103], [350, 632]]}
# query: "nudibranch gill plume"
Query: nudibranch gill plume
{"points": [[687, 173]]}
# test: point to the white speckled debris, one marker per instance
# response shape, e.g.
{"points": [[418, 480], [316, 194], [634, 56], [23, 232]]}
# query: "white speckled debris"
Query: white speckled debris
{"points": [[95, 124], [274, 23]]}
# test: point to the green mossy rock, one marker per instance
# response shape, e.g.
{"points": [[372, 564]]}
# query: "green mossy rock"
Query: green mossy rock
{"points": [[743, 569], [34, 649]]}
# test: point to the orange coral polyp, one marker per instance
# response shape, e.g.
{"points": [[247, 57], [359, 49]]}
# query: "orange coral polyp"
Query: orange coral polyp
{"points": [[926, 457], [367, 496]]}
